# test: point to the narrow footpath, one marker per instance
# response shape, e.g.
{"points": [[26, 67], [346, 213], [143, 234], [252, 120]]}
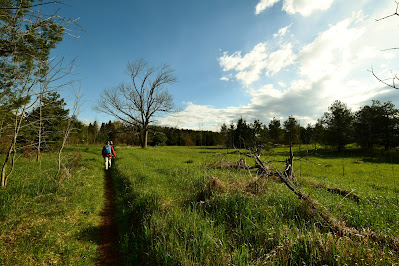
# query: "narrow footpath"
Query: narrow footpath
{"points": [[107, 253]]}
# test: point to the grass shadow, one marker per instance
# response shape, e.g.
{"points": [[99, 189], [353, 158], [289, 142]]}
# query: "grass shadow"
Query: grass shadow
{"points": [[89, 234], [132, 212]]}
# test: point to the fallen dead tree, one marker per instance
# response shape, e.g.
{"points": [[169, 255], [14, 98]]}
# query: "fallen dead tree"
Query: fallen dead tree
{"points": [[315, 209], [343, 192]]}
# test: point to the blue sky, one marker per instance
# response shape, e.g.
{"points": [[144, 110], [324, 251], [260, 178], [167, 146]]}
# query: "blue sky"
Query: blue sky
{"points": [[257, 59]]}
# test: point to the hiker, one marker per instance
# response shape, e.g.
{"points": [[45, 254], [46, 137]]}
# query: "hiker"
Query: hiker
{"points": [[108, 152]]}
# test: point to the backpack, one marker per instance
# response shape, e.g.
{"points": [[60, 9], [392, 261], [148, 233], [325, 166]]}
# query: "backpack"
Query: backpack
{"points": [[107, 149]]}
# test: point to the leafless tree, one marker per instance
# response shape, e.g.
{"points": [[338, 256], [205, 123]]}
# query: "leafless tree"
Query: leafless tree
{"points": [[68, 129], [394, 78], [141, 102]]}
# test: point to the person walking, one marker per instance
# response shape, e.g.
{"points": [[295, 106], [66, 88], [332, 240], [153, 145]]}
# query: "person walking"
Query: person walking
{"points": [[108, 152]]}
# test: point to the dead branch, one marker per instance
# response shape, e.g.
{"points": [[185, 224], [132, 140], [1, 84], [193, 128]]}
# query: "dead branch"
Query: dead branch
{"points": [[335, 225], [385, 81], [394, 14]]}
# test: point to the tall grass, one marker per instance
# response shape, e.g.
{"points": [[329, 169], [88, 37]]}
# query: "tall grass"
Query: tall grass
{"points": [[45, 221], [175, 209]]}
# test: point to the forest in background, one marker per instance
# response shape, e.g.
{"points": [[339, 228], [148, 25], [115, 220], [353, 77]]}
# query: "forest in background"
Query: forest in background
{"points": [[374, 125]]}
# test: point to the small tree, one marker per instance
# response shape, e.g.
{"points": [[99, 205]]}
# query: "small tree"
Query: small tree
{"points": [[292, 130], [140, 102], [338, 122], [275, 131]]}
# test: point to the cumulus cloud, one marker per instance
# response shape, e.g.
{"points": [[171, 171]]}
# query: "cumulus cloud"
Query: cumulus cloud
{"points": [[331, 66], [263, 5], [207, 117], [330, 51], [306, 7], [303, 7], [250, 67]]}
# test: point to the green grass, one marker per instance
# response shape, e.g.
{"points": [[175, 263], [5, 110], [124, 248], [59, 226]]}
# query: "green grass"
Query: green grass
{"points": [[184, 206], [175, 209], [44, 221]]}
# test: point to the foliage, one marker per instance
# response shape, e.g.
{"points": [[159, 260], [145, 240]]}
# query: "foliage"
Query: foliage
{"points": [[275, 131], [338, 123], [377, 125], [52, 116], [292, 131], [371, 126], [27, 36]]}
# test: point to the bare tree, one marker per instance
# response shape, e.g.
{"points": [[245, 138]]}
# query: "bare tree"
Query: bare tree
{"points": [[142, 101], [394, 78], [68, 129]]}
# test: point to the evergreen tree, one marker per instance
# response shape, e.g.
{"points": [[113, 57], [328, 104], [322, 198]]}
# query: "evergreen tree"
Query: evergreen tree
{"points": [[376, 125], [47, 120], [275, 131], [338, 123], [242, 134], [292, 131]]}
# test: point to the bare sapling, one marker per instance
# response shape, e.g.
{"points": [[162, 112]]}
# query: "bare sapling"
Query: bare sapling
{"points": [[18, 117], [67, 131]]}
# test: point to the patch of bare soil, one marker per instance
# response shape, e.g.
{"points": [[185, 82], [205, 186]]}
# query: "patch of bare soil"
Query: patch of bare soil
{"points": [[107, 253]]}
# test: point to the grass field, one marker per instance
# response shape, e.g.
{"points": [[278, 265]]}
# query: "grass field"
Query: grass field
{"points": [[174, 208], [188, 206], [45, 220]]}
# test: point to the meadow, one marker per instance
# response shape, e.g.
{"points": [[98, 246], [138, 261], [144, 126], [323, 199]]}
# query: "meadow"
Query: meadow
{"points": [[193, 206], [188, 206], [46, 220]]}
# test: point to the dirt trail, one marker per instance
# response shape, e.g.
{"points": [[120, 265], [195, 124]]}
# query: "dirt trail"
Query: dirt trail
{"points": [[107, 252]]}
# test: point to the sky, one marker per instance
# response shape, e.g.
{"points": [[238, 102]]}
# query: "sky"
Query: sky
{"points": [[255, 59]]}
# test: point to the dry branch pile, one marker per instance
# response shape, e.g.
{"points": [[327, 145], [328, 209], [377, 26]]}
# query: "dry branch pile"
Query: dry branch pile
{"points": [[335, 225]]}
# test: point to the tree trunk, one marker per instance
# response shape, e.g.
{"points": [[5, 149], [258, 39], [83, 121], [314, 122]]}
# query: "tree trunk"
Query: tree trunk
{"points": [[11, 149], [144, 136], [39, 134], [3, 173]]}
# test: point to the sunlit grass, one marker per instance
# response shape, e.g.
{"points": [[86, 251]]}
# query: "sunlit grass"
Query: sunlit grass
{"points": [[175, 209], [44, 221]]}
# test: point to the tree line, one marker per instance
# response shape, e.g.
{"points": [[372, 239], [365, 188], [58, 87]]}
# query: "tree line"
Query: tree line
{"points": [[374, 125], [123, 133]]}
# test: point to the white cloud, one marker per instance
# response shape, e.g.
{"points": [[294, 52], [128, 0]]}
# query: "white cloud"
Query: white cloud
{"points": [[280, 59], [303, 7], [306, 7], [250, 67], [263, 5], [207, 117], [281, 32], [330, 51], [282, 84]]}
